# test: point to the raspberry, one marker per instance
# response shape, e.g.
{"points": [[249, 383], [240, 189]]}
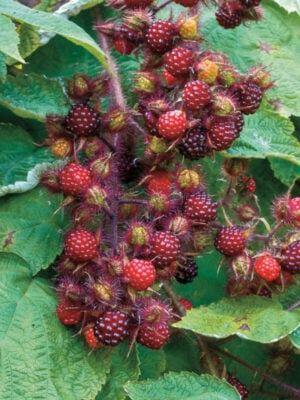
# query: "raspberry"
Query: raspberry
{"points": [[170, 79], [160, 182], [165, 248], [186, 304], [187, 3], [82, 120], [249, 184], [230, 241], [240, 387], [67, 313], [193, 144], [124, 46], [138, 3], [222, 134], [140, 274], [160, 36], [294, 211], [229, 15], [267, 267], [154, 336], [291, 258], [91, 339], [179, 61], [195, 95], [74, 179], [80, 245], [250, 97], [186, 271], [112, 328], [238, 120], [200, 207], [172, 124]]}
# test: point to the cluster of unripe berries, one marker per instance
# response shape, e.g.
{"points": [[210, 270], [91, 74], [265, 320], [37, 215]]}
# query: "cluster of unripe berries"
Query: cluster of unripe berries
{"points": [[139, 215]]}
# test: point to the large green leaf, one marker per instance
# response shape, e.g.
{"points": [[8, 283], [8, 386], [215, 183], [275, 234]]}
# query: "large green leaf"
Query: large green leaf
{"points": [[284, 170], [273, 41], [53, 24], [9, 39], [40, 358], [289, 5], [30, 229], [152, 362], [3, 68], [21, 162], [183, 386], [123, 369], [33, 96], [252, 317]]}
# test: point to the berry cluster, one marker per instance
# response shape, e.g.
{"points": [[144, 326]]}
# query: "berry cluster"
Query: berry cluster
{"points": [[140, 213]]}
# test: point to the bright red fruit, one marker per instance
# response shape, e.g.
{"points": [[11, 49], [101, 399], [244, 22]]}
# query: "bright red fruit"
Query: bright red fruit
{"points": [[196, 95], [112, 328], [172, 124], [154, 336], [140, 274], [240, 387], [179, 61], [230, 241], [294, 211], [160, 36], [165, 248], [68, 313], [291, 258], [80, 245], [200, 207], [82, 120], [160, 182], [74, 179], [91, 339], [267, 267]]}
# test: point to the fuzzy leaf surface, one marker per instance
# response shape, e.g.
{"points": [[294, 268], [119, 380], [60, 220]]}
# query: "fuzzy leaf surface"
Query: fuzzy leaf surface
{"points": [[33, 96], [29, 228], [252, 317], [9, 39], [284, 170], [3, 68], [152, 363], [40, 358], [183, 386], [54, 24], [21, 161]]}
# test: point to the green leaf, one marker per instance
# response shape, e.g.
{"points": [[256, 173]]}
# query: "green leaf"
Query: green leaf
{"points": [[284, 170], [29, 228], [123, 369], [33, 96], [273, 42], [183, 386], [53, 24], [9, 39], [289, 5], [30, 39], [40, 358], [3, 68], [152, 362], [73, 8], [21, 161], [295, 338], [252, 317]]}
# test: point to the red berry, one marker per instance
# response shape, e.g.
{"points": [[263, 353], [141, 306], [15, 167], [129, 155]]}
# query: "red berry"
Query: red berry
{"points": [[222, 134], [138, 3], [186, 304], [160, 182], [291, 258], [82, 120], [267, 267], [193, 145], [74, 179], [230, 241], [250, 97], [124, 46], [172, 124], [240, 387], [165, 248], [187, 270], [154, 336], [200, 207], [249, 184], [140, 274], [294, 211], [196, 95], [160, 36], [112, 327], [187, 3], [179, 61], [229, 15], [80, 245], [68, 313], [91, 339]]}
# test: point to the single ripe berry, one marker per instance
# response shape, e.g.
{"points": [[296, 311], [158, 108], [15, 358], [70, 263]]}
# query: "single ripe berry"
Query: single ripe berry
{"points": [[140, 274], [250, 97], [67, 313], [179, 61], [172, 124], [193, 145], [230, 241], [80, 245], [267, 267], [294, 211], [112, 327], [91, 339], [154, 336], [291, 258], [229, 15], [160, 36], [249, 184], [200, 207], [222, 134], [240, 387], [196, 95], [160, 182], [74, 179], [124, 46], [186, 304], [82, 120], [138, 3], [186, 271], [187, 3], [165, 248]]}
